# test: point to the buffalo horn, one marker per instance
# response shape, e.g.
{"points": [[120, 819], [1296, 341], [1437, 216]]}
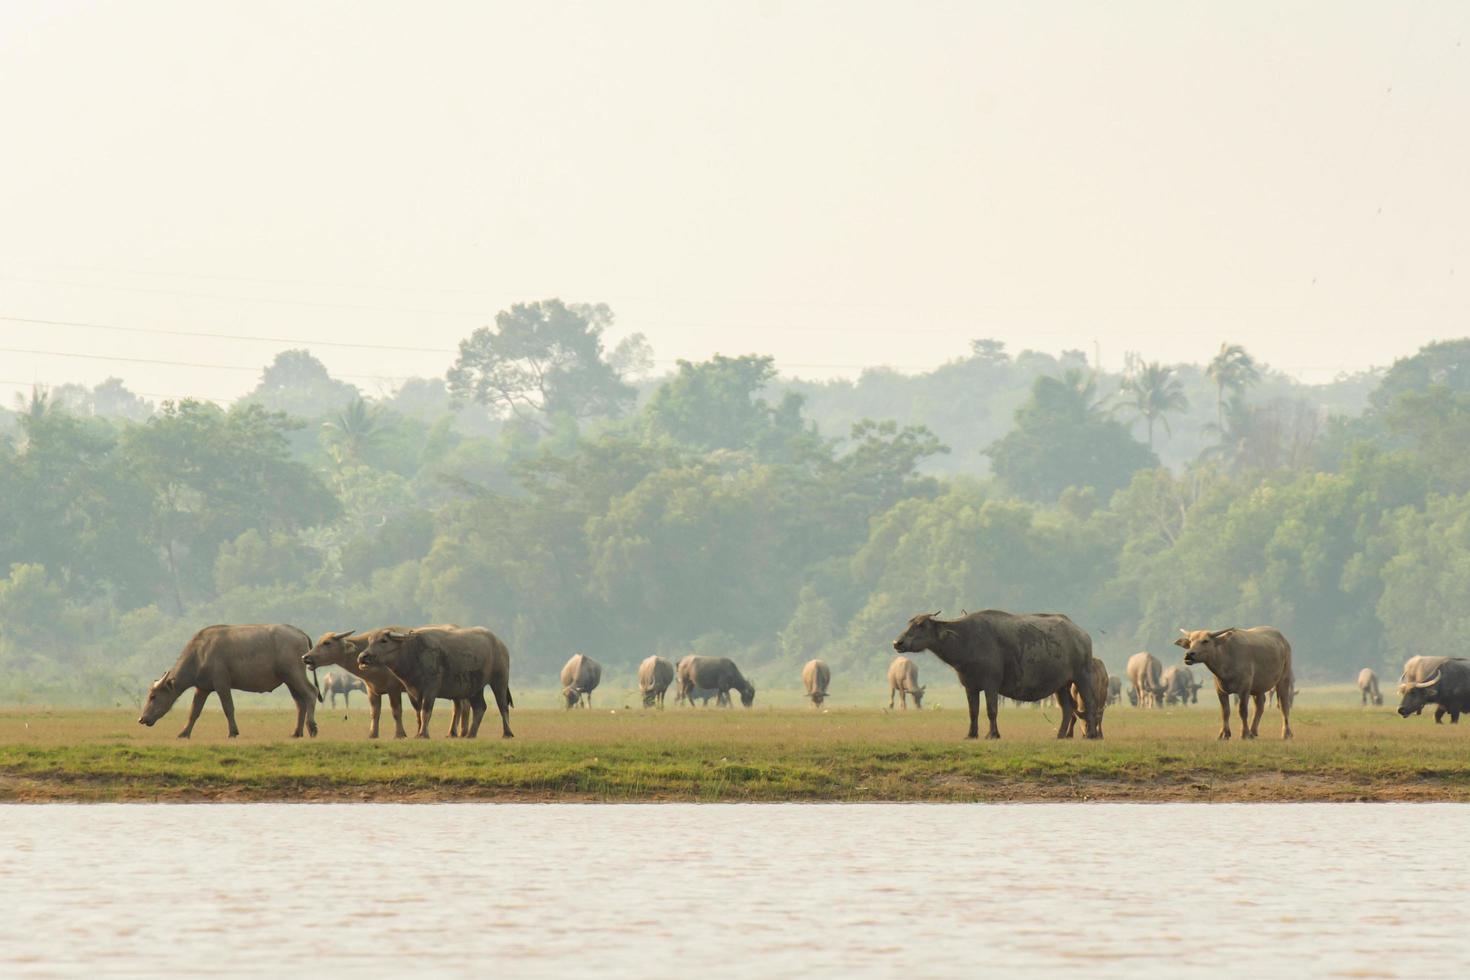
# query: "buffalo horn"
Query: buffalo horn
{"points": [[1219, 633], [1434, 679]]}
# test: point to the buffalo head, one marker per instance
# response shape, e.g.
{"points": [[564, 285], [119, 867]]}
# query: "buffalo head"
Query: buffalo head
{"points": [[385, 650], [747, 695], [1199, 644], [1416, 694], [330, 649], [922, 633], [572, 694], [162, 694]]}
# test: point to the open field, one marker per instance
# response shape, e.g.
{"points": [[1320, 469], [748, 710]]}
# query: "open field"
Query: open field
{"points": [[765, 754]]}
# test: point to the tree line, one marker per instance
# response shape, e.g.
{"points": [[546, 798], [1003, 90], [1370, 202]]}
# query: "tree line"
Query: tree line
{"points": [[548, 487]]}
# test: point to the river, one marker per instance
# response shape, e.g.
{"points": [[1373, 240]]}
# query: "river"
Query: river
{"points": [[737, 890]]}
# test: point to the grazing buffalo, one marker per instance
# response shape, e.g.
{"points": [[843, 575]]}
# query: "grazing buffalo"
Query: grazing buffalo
{"points": [[434, 662], [1115, 690], [1440, 681], [1144, 673], [1132, 695], [655, 675], [344, 684], [222, 659], [815, 676], [579, 678], [1028, 656], [903, 680], [714, 673], [1180, 687], [1246, 663], [1100, 691], [341, 649], [1368, 686]]}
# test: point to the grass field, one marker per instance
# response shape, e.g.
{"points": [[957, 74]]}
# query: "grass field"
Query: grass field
{"points": [[764, 754]]}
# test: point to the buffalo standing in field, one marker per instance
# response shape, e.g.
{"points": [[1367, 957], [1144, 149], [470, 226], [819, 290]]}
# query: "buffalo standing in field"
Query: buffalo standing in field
{"points": [[579, 678], [1246, 663], [1144, 673], [1100, 682], [1180, 687], [222, 659], [903, 680], [446, 663], [1027, 656], [716, 674], [815, 677], [1368, 686], [344, 684], [655, 675], [343, 648], [1115, 690], [1440, 681]]}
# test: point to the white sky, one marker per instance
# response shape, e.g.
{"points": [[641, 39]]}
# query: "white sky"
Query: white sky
{"points": [[837, 184]]}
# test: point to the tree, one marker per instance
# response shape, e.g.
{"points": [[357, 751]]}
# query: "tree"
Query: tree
{"points": [[716, 404], [544, 360], [1152, 394], [353, 431], [298, 384], [1061, 439], [1233, 370]]}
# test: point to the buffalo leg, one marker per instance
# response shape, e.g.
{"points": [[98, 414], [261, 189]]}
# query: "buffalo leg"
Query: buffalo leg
{"points": [[305, 696], [1284, 699], [395, 704], [1224, 715], [464, 717], [200, 696], [1260, 700], [375, 712], [1069, 713], [891, 692], [502, 704], [1245, 728], [426, 712], [992, 707], [477, 705], [454, 720], [1439, 713], [227, 705], [973, 694]]}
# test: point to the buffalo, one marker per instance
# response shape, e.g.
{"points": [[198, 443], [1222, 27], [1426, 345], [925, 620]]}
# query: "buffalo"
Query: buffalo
{"points": [[579, 678], [1368, 686], [344, 684], [655, 675], [1246, 663], [222, 659], [815, 676], [714, 673], [446, 663], [1115, 690], [1027, 656], [1180, 687], [903, 680], [1440, 681], [1100, 682], [342, 648], [1144, 672]]}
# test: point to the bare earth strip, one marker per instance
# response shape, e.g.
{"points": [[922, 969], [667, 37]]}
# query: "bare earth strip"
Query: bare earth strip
{"points": [[782, 754]]}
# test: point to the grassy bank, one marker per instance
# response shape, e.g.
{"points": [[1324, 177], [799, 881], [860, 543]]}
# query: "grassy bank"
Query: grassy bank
{"points": [[758, 755]]}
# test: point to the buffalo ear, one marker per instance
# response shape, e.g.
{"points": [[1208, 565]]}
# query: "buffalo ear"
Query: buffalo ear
{"points": [[170, 684], [1182, 642]]}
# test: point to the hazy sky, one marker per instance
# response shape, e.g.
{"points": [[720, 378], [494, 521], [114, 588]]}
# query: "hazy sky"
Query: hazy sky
{"points": [[837, 184]]}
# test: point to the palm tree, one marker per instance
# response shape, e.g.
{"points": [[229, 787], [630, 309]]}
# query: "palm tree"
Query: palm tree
{"points": [[1233, 369], [354, 430], [1153, 393]]}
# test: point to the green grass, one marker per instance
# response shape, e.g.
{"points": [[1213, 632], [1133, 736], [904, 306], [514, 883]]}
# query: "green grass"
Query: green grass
{"points": [[764, 754]]}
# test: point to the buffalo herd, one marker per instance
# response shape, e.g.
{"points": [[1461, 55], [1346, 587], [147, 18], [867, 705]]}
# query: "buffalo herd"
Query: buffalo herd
{"points": [[1026, 657]]}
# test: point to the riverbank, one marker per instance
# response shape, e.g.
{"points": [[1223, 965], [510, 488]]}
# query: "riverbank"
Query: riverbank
{"points": [[799, 755]]}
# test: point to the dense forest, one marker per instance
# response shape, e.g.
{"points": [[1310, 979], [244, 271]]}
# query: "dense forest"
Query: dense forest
{"points": [[549, 487]]}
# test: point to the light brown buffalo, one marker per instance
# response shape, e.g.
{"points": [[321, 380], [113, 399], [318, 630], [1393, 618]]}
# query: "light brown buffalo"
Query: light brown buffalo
{"points": [[1144, 673], [341, 649], [815, 677], [1246, 663], [903, 681], [1100, 682], [1368, 686], [1180, 687], [655, 675], [222, 659], [446, 663], [579, 678]]}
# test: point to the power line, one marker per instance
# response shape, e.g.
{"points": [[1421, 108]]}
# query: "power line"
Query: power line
{"points": [[188, 364]]}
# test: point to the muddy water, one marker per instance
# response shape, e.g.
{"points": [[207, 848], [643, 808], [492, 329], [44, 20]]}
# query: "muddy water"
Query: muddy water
{"points": [[528, 890]]}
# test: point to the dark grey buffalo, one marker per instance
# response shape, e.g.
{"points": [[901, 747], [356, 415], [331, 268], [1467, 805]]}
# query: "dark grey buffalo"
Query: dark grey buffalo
{"points": [[1441, 681], [1026, 656], [655, 675], [714, 674], [222, 659], [446, 663]]}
